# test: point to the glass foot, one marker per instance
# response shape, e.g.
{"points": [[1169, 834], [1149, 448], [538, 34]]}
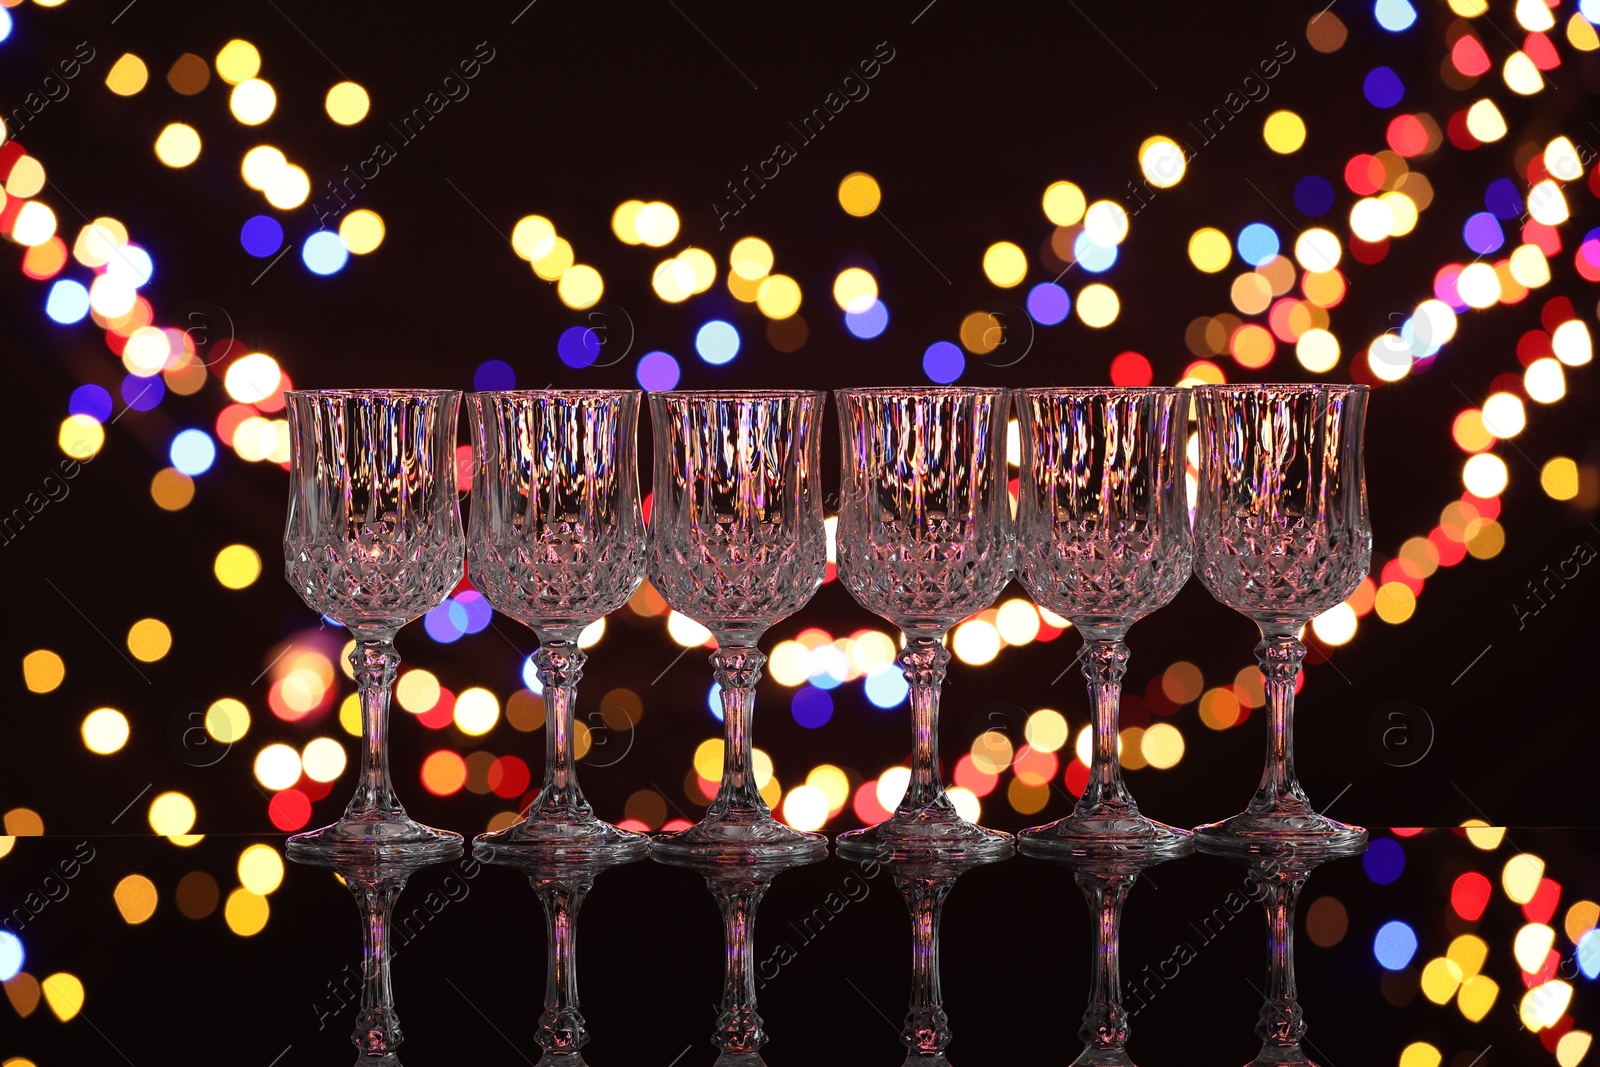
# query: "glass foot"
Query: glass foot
{"points": [[1106, 839], [938, 1059], [1103, 1057], [562, 1059], [568, 838], [932, 835], [1299, 833], [739, 838], [1282, 1057], [379, 837], [739, 1059]]}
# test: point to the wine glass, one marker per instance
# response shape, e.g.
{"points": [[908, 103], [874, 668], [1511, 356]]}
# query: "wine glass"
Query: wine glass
{"points": [[556, 541], [1282, 535], [1103, 539], [925, 539], [373, 540], [737, 543]]}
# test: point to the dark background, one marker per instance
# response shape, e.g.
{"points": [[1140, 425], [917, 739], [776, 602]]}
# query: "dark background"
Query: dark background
{"points": [[581, 108]]}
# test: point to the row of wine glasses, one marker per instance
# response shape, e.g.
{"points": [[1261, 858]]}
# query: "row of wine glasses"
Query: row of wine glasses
{"points": [[926, 537]]}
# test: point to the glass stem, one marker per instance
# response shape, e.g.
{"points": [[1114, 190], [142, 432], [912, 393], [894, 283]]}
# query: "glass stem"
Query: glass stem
{"points": [[739, 1031], [1282, 1023], [738, 668], [1105, 1024], [923, 661], [927, 1027], [562, 1031], [377, 1033], [560, 662], [374, 662], [1105, 661], [1279, 655]]}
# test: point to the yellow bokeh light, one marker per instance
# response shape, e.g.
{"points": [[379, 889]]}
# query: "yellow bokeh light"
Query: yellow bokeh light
{"points": [[1420, 1053], [580, 287], [1284, 132], [252, 101], [1468, 952], [975, 642], [751, 258], [1064, 203], [1574, 1044], [63, 993], [136, 898], [172, 814], [323, 759], [778, 296], [127, 75], [556, 262], [1478, 285], [1316, 250], [287, 187], [533, 237], [171, 489], [805, 808], [1529, 266], [1561, 160], [1477, 997], [1547, 204], [673, 280], [149, 640], [1162, 745], [656, 224], [1098, 305], [1336, 626], [624, 222], [1572, 344], [227, 720], [1582, 36], [277, 766], [1440, 979], [1317, 350], [859, 194], [701, 265], [708, 759], [1559, 478], [237, 566], [178, 145], [1545, 1004], [1046, 730], [1162, 162], [1485, 475], [238, 61], [347, 103], [260, 164], [42, 670], [1503, 415], [1017, 620], [1004, 264], [1210, 250], [35, 225], [991, 752], [27, 178], [1544, 380], [105, 730], [1521, 876], [80, 436], [685, 631], [1394, 602], [350, 714], [1371, 220], [246, 913], [1485, 122], [477, 710], [1581, 918], [833, 783], [1520, 74], [362, 231], [1532, 945], [855, 290], [260, 869]]}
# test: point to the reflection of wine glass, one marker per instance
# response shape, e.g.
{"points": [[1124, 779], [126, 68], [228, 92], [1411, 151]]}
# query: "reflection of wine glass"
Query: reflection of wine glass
{"points": [[1103, 539], [557, 541], [925, 539], [373, 540], [737, 543], [1282, 535]]}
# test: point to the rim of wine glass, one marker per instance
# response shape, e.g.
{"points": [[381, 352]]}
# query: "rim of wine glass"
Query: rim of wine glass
{"points": [[562, 394], [735, 394], [1262, 387], [922, 390], [370, 393], [1102, 390]]}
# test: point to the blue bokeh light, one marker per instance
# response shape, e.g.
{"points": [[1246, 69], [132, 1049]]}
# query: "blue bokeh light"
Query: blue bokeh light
{"points": [[943, 362], [68, 301], [1503, 199], [658, 372], [717, 342], [494, 374], [261, 236], [530, 677], [1048, 303], [90, 400], [1394, 945], [1313, 195], [142, 394], [1589, 954], [447, 622], [1092, 257], [324, 252], [1482, 233], [578, 347], [1383, 87], [193, 452], [869, 323], [11, 951], [5, 32], [1395, 15], [886, 688], [1590, 9], [1258, 244], [1384, 860], [714, 701], [479, 612], [811, 707]]}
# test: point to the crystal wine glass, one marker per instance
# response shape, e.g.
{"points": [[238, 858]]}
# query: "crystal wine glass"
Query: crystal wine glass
{"points": [[737, 543], [557, 540], [1282, 535], [1103, 539], [925, 539], [373, 540]]}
